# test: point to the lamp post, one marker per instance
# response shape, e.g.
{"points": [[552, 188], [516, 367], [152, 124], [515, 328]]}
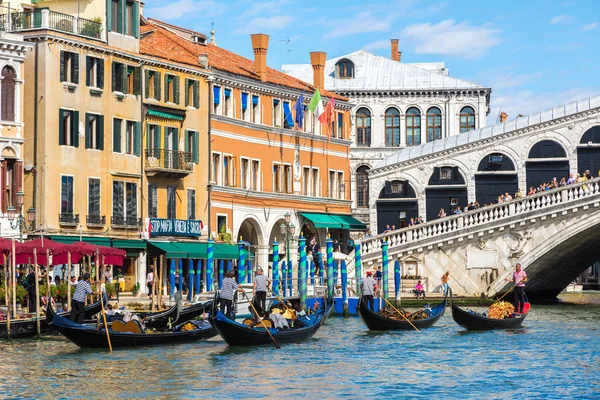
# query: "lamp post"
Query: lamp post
{"points": [[18, 221], [288, 229]]}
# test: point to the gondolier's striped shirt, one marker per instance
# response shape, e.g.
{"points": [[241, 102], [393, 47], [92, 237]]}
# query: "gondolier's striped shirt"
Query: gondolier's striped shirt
{"points": [[229, 286], [82, 290]]}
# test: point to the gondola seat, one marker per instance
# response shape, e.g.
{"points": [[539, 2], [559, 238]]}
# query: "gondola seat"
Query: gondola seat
{"points": [[132, 326]]}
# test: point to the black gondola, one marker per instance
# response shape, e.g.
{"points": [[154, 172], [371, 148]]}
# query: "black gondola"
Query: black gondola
{"points": [[473, 321], [237, 334], [377, 322], [90, 337], [27, 327]]}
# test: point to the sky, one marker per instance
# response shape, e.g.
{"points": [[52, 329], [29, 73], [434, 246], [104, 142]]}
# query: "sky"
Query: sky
{"points": [[534, 54]]}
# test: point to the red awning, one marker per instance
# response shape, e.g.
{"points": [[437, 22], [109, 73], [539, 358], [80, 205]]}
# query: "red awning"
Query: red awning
{"points": [[25, 252]]}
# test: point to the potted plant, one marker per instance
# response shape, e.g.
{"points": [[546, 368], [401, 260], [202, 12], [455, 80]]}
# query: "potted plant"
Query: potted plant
{"points": [[110, 290], [136, 289]]}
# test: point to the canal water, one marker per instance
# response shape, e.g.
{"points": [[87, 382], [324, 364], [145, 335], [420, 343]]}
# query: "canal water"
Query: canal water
{"points": [[555, 355]]}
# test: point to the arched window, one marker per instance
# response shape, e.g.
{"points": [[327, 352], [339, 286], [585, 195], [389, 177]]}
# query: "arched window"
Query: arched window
{"points": [[392, 127], [363, 127], [413, 126], [434, 124], [7, 90], [467, 119], [344, 69], [362, 187]]}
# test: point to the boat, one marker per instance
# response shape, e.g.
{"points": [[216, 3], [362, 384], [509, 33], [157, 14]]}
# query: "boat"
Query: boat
{"points": [[472, 321], [238, 334], [377, 322], [27, 327], [574, 287], [87, 336]]}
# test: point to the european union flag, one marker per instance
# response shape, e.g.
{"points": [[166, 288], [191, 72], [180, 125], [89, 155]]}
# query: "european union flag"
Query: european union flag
{"points": [[299, 108]]}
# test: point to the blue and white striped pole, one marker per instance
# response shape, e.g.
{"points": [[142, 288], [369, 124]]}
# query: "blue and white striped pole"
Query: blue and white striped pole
{"points": [[384, 268], [312, 271], [357, 267], [241, 262], [290, 273], [210, 265], [302, 271], [229, 265], [221, 272], [180, 275], [276, 267], [284, 278], [172, 275], [249, 276], [397, 278], [345, 287], [198, 276], [191, 279], [329, 267]]}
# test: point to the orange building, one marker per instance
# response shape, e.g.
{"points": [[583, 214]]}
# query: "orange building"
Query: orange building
{"points": [[262, 165]]}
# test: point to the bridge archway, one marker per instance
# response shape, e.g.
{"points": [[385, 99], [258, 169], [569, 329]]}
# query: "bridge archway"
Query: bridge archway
{"points": [[547, 159], [588, 151], [446, 189], [496, 175], [396, 205]]}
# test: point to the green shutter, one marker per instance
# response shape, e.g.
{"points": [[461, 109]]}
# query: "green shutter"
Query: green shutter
{"points": [[89, 64], [124, 78], [196, 149], [166, 139], [137, 80], [62, 66], [196, 94], [149, 131], [88, 138], [120, 15], [117, 135], [75, 129], [175, 139], [135, 24], [108, 15], [157, 86], [186, 144], [147, 84], [157, 129], [75, 69], [100, 135], [137, 138], [187, 99], [115, 68], [166, 88], [176, 90], [100, 72], [61, 129]]}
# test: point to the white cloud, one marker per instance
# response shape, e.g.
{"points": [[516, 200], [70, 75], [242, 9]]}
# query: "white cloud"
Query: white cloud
{"points": [[363, 22], [589, 27], [377, 45], [498, 79], [450, 38], [264, 24], [185, 9], [560, 19]]}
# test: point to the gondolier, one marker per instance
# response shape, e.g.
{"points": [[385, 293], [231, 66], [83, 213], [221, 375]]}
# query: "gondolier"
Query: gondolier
{"points": [[78, 303], [519, 278], [226, 294], [368, 288], [261, 282]]}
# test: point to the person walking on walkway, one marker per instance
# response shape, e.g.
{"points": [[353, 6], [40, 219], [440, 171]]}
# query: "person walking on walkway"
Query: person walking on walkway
{"points": [[519, 278], [445, 279], [369, 286], [78, 303], [261, 282]]}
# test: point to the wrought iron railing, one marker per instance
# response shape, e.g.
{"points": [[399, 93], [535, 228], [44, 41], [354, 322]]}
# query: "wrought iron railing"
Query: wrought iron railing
{"points": [[46, 19], [125, 221], [169, 159], [68, 219], [89, 28], [96, 220], [61, 22]]}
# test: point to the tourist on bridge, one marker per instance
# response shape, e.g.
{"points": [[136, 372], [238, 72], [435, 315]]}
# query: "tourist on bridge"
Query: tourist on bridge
{"points": [[82, 289], [442, 213], [369, 286], [519, 278], [261, 282]]}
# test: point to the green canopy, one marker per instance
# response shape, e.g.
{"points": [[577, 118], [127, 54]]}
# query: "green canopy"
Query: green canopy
{"points": [[98, 241], [195, 250], [129, 244], [170, 249], [349, 222], [164, 114], [334, 221]]}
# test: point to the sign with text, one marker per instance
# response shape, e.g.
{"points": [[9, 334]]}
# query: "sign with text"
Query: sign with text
{"points": [[174, 227]]}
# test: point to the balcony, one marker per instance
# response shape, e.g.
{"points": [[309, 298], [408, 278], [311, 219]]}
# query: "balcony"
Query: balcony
{"points": [[95, 220], [68, 219], [52, 20], [160, 162], [125, 222]]}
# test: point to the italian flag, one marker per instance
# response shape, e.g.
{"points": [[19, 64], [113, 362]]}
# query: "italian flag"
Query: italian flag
{"points": [[316, 106]]}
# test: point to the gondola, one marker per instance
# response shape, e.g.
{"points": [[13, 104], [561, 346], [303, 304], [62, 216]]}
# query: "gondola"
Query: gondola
{"points": [[377, 322], [177, 315], [237, 334], [27, 327], [91, 337], [473, 321]]}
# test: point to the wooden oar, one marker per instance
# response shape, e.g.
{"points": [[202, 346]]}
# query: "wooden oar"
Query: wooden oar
{"points": [[277, 346], [104, 318], [398, 311], [292, 312]]}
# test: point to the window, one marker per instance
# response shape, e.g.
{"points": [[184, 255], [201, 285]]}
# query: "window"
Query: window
{"points": [[172, 89], [192, 144], [413, 127], [171, 202], [152, 201], [305, 181], [467, 119], [12, 173], [124, 203], [288, 119], [123, 17], [340, 185], [191, 204], [94, 72], [315, 182], [66, 194], [116, 16], [446, 173], [255, 175], [277, 186], [228, 171], [216, 168], [392, 127], [222, 223], [244, 173], [397, 187], [287, 179], [192, 94], [434, 124], [129, 133], [7, 97], [255, 115], [126, 79], [153, 85], [153, 140], [68, 128], [216, 99], [228, 103], [94, 196], [245, 112], [344, 69], [362, 187], [363, 127], [332, 186], [94, 131], [277, 113], [128, 18], [340, 125], [69, 67]]}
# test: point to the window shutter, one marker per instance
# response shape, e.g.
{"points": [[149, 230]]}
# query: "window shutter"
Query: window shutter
{"points": [[120, 14], [186, 145], [136, 19], [137, 136], [117, 135], [147, 84], [75, 128], [196, 147], [100, 135], [187, 90], [62, 66], [88, 139], [166, 88], [61, 128], [149, 131], [196, 94], [100, 73], [137, 80], [108, 15], [89, 64], [176, 90], [124, 77], [165, 145], [436, 174], [175, 139], [157, 129], [75, 69], [388, 187], [115, 67], [157, 87]]}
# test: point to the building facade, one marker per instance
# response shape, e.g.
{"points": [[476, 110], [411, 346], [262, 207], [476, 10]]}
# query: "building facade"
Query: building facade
{"points": [[397, 105]]}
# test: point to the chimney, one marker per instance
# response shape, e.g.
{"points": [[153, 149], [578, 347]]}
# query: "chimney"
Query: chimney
{"points": [[396, 55], [503, 117], [317, 59], [260, 44]]}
